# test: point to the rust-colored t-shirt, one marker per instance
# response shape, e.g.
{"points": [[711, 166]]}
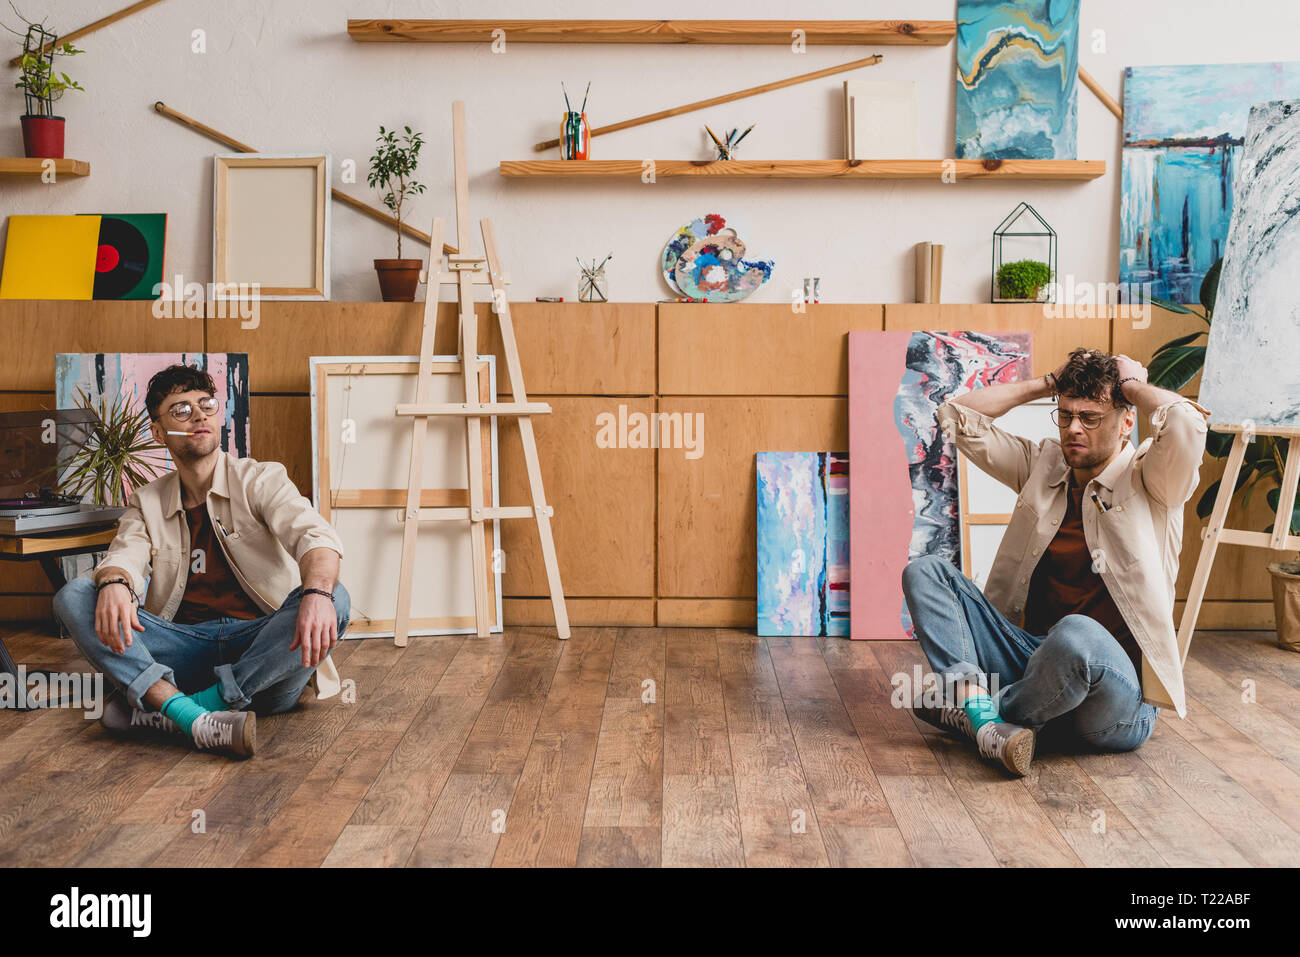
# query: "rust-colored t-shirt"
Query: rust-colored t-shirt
{"points": [[1065, 584], [211, 588]]}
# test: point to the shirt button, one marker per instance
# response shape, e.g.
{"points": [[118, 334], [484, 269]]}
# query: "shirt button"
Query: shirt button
{"points": [[1035, 551], [1054, 521], [1023, 581]]}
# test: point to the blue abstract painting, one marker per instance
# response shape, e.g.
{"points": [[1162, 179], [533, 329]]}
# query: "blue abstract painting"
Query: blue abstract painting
{"points": [[1017, 65], [1251, 373], [1184, 127], [803, 543]]}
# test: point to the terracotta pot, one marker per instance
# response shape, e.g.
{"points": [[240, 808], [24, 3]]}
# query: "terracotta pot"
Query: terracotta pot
{"points": [[1286, 603], [398, 278], [43, 136]]}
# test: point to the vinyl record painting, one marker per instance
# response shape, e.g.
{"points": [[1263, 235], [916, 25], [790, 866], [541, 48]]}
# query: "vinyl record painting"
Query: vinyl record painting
{"points": [[129, 259]]}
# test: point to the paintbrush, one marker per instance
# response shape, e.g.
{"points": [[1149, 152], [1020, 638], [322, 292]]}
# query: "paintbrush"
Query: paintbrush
{"points": [[584, 98], [566, 97], [743, 135]]}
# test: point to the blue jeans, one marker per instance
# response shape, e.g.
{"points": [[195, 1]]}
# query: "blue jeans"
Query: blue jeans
{"points": [[1076, 678], [250, 658]]}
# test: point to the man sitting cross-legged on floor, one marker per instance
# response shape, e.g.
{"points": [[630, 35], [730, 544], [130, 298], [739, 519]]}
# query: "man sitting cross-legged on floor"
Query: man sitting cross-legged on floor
{"points": [[1075, 626], [244, 603]]}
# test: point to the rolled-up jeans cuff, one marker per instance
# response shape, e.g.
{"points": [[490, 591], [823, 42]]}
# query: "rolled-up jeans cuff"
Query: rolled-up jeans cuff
{"points": [[961, 671], [146, 680], [230, 690]]}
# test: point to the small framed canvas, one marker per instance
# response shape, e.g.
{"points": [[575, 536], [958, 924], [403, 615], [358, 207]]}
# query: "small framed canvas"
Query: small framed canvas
{"points": [[270, 226]]}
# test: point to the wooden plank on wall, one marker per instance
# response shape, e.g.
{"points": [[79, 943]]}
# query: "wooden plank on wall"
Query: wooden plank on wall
{"points": [[34, 331], [588, 612], [288, 334], [707, 613], [760, 349], [280, 427], [1053, 337], [707, 504], [580, 348], [603, 500]]}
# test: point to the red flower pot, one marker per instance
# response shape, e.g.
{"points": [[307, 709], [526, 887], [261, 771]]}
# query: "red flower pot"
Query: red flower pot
{"points": [[43, 136], [398, 278]]}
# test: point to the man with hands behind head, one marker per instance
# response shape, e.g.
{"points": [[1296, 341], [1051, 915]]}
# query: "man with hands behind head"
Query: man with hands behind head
{"points": [[243, 603], [1075, 625]]}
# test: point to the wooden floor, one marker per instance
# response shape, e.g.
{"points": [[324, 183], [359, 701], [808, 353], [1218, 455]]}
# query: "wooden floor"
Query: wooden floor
{"points": [[671, 747]]}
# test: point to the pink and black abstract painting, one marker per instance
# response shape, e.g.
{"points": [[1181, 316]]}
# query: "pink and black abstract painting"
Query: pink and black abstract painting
{"points": [[903, 486]]}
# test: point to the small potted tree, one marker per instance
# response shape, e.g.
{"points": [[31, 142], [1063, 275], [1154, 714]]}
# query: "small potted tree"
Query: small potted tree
{"points": [[42, 87], [391, 167]]}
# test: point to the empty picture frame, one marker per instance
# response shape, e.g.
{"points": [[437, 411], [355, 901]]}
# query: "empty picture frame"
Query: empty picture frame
{"points": [[271, 226], [361, 454]]}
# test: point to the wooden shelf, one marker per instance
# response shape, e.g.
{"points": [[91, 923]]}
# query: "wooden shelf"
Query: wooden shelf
{"points": [[814, 169], [35, 166], [775, 32]]}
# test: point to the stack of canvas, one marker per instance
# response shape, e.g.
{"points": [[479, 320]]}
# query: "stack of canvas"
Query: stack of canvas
{"points": [[879, 119]]}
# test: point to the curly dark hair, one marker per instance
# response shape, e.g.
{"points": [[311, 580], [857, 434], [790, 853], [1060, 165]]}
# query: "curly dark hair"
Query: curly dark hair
{"points": [[1091, 374], [176, 378]]}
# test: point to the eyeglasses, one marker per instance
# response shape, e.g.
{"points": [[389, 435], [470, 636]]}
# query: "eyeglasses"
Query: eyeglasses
{"points": [[1089, 420], [182, 411]]}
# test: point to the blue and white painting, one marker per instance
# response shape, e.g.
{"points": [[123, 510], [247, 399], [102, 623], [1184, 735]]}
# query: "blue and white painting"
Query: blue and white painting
{"points": [[803, 543], [1251, 368], [1184, 127], [1017, 66]]}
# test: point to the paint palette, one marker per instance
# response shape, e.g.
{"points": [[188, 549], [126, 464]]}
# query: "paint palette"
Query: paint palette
{"points": [[704, 260]]}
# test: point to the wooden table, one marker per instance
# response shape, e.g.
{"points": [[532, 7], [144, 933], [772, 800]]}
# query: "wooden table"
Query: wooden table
{"points": [[48, 549]]}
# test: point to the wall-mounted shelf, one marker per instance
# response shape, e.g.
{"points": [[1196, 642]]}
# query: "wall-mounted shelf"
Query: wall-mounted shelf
{"points": [[35, 166], [813, 169], [776, 32]]}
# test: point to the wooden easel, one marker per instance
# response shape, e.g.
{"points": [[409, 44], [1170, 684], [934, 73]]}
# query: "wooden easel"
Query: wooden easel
{"points": [[1216, 534], [465, 271]]}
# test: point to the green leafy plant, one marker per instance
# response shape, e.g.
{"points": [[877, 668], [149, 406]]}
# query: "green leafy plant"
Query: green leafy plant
{"points": [[394, 161], [41, 84], [1022, 279], [117, 455], [1177, 363]]}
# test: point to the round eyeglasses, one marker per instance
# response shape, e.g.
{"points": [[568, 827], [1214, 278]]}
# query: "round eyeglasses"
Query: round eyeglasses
{"points": [[1089, 420], [182, 411]]}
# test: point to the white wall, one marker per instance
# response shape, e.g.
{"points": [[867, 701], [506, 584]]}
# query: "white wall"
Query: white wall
{"points": [[285, 77]]}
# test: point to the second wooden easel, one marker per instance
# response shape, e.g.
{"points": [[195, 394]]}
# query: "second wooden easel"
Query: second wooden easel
{"points": [[465, 271], [1217, 534]]}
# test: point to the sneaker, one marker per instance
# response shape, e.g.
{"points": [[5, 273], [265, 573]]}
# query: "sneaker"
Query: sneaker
{"points": [[945, 718], [1009, 744], [227, 732], [121, 718]]}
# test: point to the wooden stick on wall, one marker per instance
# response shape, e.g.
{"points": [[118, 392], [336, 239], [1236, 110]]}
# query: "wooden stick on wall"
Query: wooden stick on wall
{"points": [[725, 98], [1107, 100], [339, 195], [103, 22]]}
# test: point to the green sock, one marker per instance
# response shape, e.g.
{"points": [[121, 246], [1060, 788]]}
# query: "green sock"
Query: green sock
{"points": [[980, 709], [209, 699], [183, 710]]}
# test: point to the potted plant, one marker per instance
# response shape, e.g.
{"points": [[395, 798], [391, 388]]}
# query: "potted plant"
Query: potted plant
{"points": [[42, 87], [390, 168], [1174, 365], [118, 456], [1023, 281]]}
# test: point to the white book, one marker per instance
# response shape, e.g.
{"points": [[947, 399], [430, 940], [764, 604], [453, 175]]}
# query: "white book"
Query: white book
{"points": [[880, 119]]}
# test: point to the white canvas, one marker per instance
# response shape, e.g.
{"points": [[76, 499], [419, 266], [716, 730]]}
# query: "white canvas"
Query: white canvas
{"points": [[1251, 370], [369, 448], [880, 119]]}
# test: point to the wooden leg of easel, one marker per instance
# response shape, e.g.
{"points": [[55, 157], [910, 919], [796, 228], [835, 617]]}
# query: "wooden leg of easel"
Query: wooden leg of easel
{"points": [[541, 511], [1196, 593], [474, 455], [419, 429]]}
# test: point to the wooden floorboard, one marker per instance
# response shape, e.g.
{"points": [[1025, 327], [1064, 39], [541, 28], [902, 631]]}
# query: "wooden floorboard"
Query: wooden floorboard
{"points": [[648, 747]]}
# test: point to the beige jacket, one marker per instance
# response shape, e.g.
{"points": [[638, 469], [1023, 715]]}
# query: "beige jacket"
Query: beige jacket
{"points": [[264, 526], [1135, 542]]}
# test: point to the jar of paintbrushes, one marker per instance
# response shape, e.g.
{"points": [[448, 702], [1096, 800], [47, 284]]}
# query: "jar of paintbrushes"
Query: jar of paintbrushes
{"points": [[592, 283], [575, 134]]}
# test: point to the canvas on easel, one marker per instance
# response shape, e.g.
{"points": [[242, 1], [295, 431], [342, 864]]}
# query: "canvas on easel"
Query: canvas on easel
{"points": [[1251, 381], [360, 456]]}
